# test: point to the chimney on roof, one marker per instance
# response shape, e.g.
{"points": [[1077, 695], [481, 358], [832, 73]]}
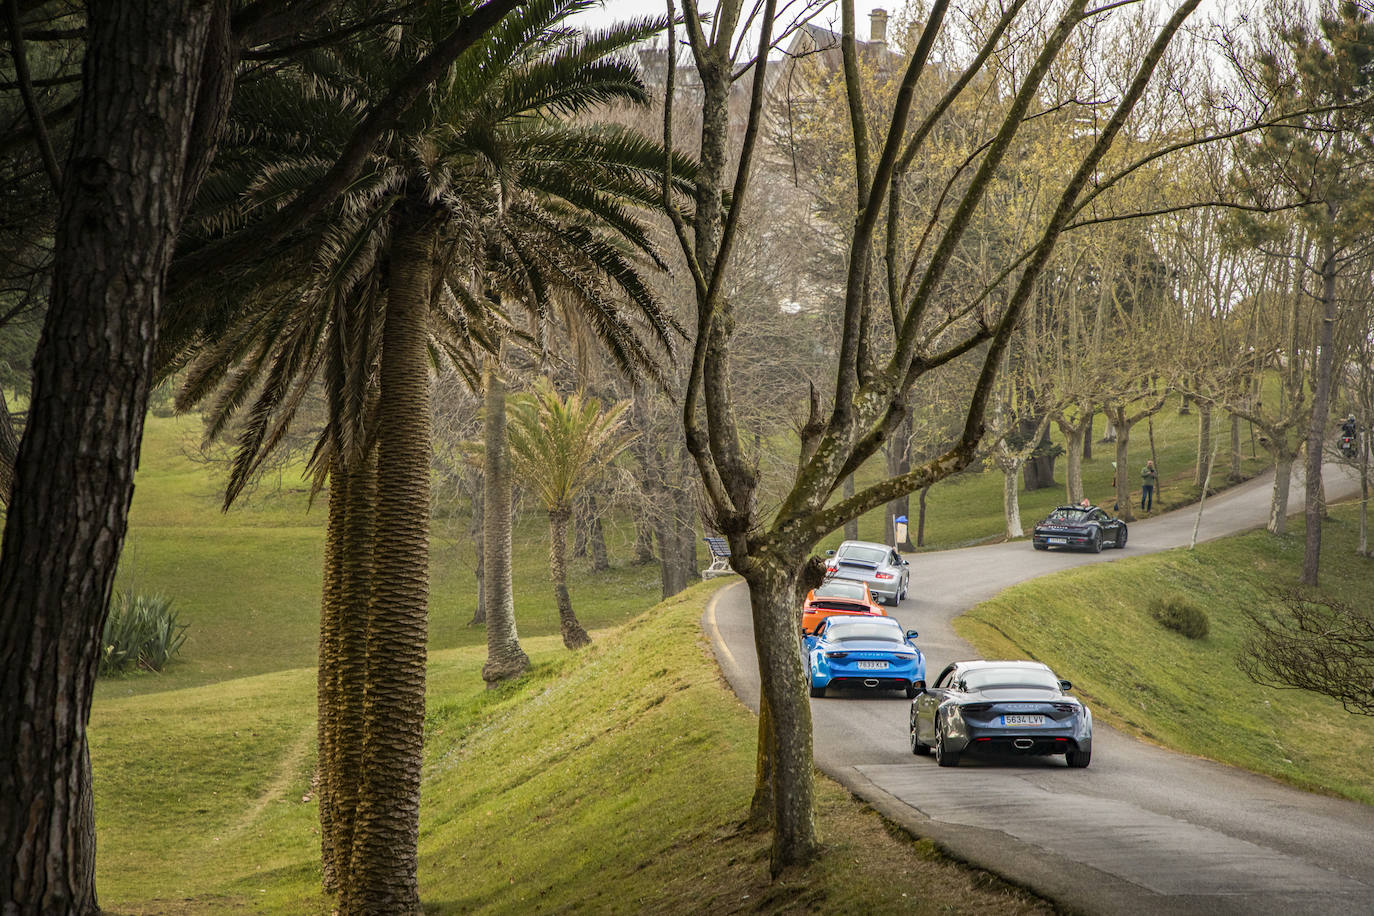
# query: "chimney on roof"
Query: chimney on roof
{"points": [[878, 32]]}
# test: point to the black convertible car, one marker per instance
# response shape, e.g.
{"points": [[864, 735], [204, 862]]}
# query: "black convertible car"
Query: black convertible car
{"points": [[1083, 527]]}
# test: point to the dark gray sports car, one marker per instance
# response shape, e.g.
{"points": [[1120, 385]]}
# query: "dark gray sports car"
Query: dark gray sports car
{"points": [[1000, 707], [1083, 527]]}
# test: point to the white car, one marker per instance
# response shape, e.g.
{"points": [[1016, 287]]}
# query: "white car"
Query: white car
{"points": [[878, 565]]}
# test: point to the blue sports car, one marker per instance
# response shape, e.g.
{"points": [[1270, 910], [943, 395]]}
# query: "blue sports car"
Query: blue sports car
{"points": [[870, 652], [1008, 707]]}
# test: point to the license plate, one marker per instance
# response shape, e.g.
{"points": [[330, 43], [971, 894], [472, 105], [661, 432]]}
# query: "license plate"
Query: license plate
{"points": [[1023, 720], [1057, 540], [870, 665]]}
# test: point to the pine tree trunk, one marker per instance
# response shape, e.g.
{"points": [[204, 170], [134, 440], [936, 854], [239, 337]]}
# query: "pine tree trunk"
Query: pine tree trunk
{"points": [[1314, 507], [382, 873], [574, 637], [117, 220], [505, 658]]}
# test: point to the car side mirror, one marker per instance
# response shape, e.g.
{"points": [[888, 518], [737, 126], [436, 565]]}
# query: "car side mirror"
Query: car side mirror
{"points": [[830, 553], [912, 634], [1065, 685], [906, 562]]}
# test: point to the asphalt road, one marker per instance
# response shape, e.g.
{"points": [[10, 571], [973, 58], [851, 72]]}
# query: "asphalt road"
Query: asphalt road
{"points": [[1141, 831]]}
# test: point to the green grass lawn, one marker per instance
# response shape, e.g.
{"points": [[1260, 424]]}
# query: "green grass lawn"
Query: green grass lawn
{"points": [[1093, 626], [610, 780]]}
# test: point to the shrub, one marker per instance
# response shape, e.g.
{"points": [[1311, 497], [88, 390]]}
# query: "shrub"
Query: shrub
{"points": [[141, 631], [1181, 615]]}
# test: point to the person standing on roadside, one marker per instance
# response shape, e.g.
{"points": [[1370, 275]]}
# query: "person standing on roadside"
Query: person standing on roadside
{"points": [[1149, 478]]}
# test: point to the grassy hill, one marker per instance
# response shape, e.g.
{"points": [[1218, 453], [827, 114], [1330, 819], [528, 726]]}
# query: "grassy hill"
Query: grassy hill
{"points": [[609, 781]]}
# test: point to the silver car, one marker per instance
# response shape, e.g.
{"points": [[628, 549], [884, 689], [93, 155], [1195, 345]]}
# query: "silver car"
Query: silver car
{"points": [[878, 565]]}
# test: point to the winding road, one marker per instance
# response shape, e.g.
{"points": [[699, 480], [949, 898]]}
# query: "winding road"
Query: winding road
{"points": [[1143, 830]]}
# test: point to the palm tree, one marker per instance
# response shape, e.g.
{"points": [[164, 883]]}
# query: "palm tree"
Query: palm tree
{"points": [[485, 188], [558, 446]]}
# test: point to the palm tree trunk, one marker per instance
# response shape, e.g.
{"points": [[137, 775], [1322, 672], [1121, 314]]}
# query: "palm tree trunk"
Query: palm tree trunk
{"points": [[574, 637], [327, 680], [382, 876], [505, 658], [344, 765]]}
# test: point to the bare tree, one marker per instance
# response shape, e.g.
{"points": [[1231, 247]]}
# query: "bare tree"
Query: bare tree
{"points": [[872, 375], [1312, 642]]}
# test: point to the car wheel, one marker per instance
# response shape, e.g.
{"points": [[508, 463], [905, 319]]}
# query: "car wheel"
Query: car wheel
{"points": [[1097, 541], [1121, 538], [917, 747], [1078, 759], [810, 682], [911, 690], [943, 756], [1040, 546]]}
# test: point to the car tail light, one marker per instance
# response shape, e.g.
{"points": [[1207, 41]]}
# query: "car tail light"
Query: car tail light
{"points": [[883, 575], [977, 708], [837, 655], [1065, 707]]}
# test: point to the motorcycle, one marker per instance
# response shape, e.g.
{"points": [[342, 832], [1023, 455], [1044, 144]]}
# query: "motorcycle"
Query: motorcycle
{"points": [[1347, 446]]}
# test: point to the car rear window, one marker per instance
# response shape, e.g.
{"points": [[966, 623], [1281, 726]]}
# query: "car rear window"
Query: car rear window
{"points": [[1069, 515], [839, 604], [983, 678], [847, 631], [836, 589], [864, 554]]}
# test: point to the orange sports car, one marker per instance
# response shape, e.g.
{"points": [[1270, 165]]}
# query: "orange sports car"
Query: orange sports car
{"points": [[838, 596]]}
